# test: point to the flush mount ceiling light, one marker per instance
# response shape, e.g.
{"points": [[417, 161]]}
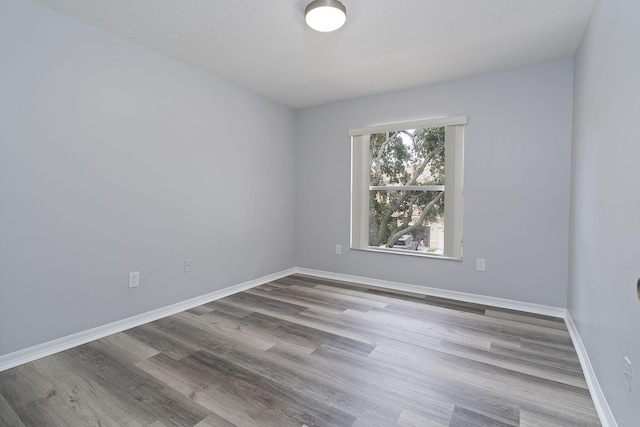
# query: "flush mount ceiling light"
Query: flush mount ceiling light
{"points": [[325, 15]]}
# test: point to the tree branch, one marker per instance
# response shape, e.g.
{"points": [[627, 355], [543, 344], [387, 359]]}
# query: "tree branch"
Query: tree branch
{"points": [[394, 238]]}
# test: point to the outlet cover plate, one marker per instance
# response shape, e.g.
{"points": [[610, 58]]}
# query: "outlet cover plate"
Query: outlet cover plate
{"points": [[134, 279], [626, 372]]}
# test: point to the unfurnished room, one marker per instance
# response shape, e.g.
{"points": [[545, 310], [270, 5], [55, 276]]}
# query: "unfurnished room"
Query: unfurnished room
{"points": [[319, 213]]}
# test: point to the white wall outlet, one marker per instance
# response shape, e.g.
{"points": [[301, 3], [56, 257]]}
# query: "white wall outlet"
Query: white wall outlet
{"points": [[626, 372], [338, 249], [134, 279], [188, 265], [480, 264]]}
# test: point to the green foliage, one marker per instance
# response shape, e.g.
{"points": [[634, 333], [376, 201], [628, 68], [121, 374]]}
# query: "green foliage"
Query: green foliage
{"points": [[409, 157]]}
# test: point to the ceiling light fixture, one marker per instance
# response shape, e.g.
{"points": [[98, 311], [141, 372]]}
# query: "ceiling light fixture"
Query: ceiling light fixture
{"points": [[325, 15]]}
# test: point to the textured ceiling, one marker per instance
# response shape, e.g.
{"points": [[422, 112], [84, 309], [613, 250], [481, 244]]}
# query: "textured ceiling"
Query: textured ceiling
{"points": [[385, 45]]}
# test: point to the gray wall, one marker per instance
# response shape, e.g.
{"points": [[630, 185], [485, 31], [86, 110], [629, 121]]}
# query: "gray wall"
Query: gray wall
{"points": [[605, 203], [116, 159], [517, 181]]}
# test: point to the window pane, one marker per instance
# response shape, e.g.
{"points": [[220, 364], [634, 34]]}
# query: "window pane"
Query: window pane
{"points": [[408, 157], [409, 220]]}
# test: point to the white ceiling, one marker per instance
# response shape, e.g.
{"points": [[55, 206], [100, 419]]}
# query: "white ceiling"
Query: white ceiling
{"points": [[385, 45]]}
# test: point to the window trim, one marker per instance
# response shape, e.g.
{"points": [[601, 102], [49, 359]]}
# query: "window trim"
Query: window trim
{"points": [[360, 169], [417, 124]]}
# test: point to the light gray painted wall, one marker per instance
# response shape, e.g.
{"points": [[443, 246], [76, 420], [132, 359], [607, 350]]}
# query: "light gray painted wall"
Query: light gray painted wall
{"points": [[116, 159], [605, 203], [517, 180]]}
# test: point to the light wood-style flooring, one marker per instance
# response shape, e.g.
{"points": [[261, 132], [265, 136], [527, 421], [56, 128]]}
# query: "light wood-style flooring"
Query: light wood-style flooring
{"points": [[304, 351]]}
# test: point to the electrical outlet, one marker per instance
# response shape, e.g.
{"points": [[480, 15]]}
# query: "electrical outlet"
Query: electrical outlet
{"points": [[134, 279], [480, 264], [626, 372], [188, 265], [338, 249]]}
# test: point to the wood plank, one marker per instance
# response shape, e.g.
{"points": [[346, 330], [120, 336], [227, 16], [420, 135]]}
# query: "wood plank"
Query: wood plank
{"points": [[48, 392], [135, 390], [463, 417], [411, 419], [309, 374], [8, 416]]}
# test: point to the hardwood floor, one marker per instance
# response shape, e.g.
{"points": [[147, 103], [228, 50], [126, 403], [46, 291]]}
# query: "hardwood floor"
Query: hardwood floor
{"points": [[304, 351]]}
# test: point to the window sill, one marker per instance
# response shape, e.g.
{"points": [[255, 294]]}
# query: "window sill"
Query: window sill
{"points": [[406, 253]]}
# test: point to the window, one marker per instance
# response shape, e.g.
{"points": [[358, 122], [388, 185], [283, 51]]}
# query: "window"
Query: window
{"points": [[406, 189]]}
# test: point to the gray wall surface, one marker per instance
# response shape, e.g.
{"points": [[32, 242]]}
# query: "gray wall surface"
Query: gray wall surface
{"points": [[516, 183], [116, 159], [605, 202]]}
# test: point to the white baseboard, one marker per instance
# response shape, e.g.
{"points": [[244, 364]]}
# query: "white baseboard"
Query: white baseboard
{"points": [[604, 412], [443, 293], [29, 354]]}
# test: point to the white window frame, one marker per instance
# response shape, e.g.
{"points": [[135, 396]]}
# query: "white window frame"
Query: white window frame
{"points": [[453, 186]]}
